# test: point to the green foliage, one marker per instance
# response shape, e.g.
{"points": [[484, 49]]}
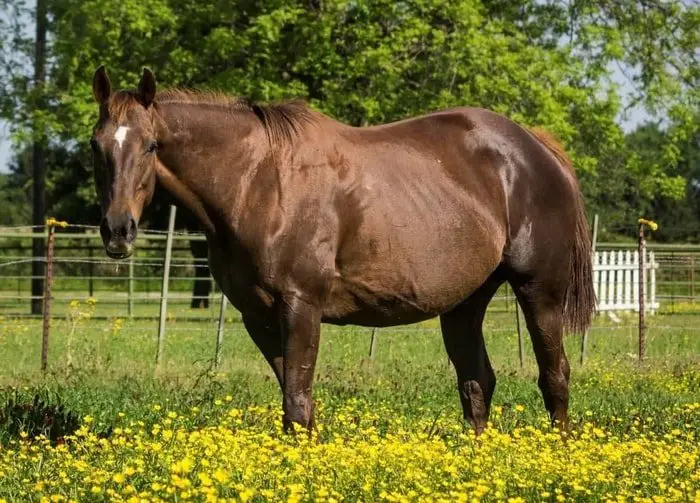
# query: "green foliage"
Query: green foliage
{"points": [[14, 209], [649, 146], [374, 61]]}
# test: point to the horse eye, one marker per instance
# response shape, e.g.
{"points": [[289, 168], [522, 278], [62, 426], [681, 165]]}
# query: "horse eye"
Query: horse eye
{"points": [[95, 145], [151, 147]]}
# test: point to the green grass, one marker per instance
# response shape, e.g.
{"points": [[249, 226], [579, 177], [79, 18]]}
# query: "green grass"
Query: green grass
{"points": [[114, 368], [405, 396]]}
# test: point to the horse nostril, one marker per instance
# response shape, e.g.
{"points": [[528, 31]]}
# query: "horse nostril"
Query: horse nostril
{"points": [[131, 228], [118, 228]]}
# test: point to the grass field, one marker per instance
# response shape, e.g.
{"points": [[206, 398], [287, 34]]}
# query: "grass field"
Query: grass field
{"points": [[390, 428]]}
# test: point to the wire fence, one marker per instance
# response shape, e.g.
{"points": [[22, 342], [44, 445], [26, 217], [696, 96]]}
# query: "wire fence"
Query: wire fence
{"points": [[130, 288], [136, 288]]}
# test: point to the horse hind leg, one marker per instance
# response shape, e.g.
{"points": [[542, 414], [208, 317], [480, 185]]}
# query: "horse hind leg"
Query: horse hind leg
{"points": [[464, 342], [542, 302]]}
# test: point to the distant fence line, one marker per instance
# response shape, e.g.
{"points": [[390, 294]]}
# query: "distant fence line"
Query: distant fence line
{"points": [[148, 278], [82, 271]]}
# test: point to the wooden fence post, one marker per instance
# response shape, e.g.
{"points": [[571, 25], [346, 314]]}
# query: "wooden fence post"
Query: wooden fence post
{"points": [[47, 295], [220, 331], [594, 243], [164, 286]]}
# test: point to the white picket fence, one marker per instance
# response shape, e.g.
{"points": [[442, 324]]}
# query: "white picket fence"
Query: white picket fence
{"points": [[616, 280]]}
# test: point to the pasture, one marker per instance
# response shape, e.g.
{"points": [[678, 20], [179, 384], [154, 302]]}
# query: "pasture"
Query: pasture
{"points": [[389, 429], [431, 151]]}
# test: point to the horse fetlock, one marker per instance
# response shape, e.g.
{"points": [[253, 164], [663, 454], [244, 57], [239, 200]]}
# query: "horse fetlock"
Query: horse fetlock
{"points": [[555, 392], [489, 387], [299, 409]]}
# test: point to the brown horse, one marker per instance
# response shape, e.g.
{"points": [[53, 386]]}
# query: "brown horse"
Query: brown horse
{"points": [[309, 220]]}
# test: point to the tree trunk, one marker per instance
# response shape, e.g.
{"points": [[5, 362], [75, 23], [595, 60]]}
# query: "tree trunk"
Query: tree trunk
{"points": [[202, 284], [38, 163]]}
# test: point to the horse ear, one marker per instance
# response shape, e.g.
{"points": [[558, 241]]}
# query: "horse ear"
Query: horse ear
{"points": [[101, 86], [147, 88]]}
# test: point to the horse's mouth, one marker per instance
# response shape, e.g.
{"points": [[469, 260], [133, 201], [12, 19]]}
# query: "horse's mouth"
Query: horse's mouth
{"points": [[118, 255]]}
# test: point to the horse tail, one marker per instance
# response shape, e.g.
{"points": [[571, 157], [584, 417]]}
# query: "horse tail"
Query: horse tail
{"points": [[580, 300]]}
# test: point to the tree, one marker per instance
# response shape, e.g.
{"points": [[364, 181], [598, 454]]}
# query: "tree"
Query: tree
{"points": [[38, 152], [14, 209], [679, 218], [371, 61]]}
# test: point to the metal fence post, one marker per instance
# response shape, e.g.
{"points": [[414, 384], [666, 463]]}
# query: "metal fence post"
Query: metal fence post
{"points": [[673, 284], [130, 301], [521, 344], [220, 331], [164, 286], [642, 282], [91, 272], [692, 279], [47, 296], [594, 243], [373, 344]]}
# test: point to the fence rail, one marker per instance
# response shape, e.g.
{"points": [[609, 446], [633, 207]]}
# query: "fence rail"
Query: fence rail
{"points": [[162, 273], [81, 273]]}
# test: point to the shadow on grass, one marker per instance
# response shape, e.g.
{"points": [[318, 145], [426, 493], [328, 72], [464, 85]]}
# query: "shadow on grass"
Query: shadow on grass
{"points": [[22, 417]]}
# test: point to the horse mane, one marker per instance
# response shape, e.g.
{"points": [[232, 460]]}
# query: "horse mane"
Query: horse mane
{"points": [[283, 121], [554, 146]]}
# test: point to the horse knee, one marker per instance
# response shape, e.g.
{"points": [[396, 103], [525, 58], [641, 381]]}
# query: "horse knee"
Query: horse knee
{"points": [[566, 368]]}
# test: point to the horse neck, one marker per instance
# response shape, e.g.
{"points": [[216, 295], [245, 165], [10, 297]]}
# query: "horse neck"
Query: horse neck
{"points": [[206, 156]]}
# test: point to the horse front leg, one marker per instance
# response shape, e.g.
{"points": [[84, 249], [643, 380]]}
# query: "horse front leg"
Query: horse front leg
{"points": [[300, 323], [265, 332]]}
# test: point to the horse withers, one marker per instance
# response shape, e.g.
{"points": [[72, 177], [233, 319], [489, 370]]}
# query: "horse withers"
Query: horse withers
{"points": [[309, 220]]}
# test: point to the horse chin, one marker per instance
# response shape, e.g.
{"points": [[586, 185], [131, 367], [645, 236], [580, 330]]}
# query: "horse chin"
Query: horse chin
{"points": [[118, 256]]}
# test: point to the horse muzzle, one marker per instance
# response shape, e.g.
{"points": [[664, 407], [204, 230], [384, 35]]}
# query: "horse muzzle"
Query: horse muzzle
{"points": [[118, 235]]}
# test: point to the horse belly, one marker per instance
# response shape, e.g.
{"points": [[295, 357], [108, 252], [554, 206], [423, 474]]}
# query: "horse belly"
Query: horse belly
{"points": [[407, 290], [350, 306]]}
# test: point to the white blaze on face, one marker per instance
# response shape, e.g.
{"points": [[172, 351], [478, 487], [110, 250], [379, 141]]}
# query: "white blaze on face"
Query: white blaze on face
{"points": [[120, 135]]}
